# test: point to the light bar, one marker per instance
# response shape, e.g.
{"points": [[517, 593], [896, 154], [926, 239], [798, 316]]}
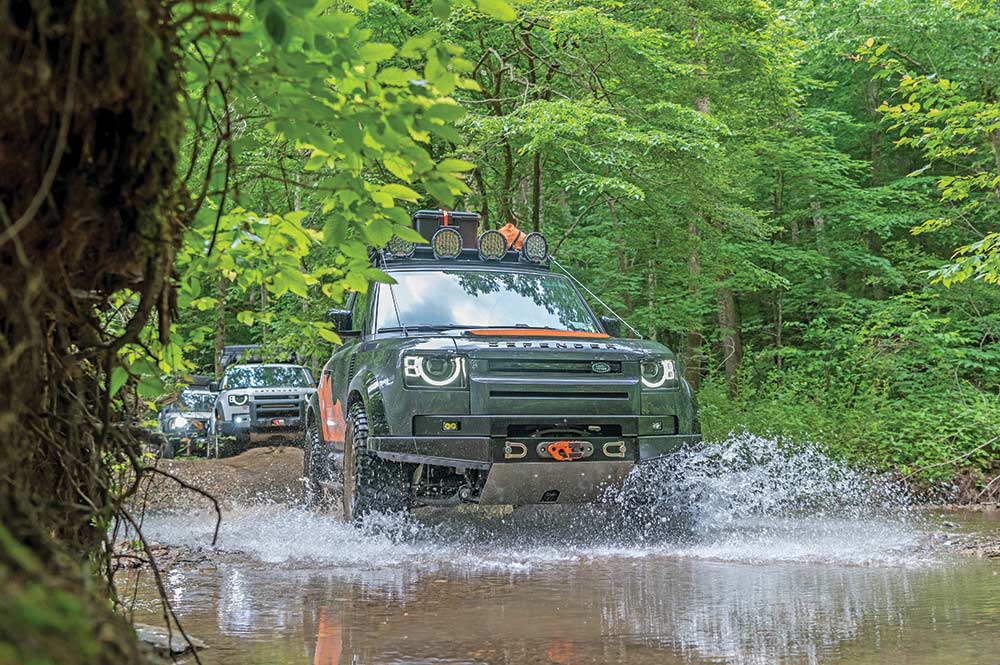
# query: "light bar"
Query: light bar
{"points": [[492, 246], [447, 243], [535, 248], [400, 248]]}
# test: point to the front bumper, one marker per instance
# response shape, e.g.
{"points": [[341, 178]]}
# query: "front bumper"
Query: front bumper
{"points": [[254, 428], [479, 441]]}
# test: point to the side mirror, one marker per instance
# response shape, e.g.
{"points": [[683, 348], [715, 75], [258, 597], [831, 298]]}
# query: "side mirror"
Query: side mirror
{"points": [[214, 386], [612, 326], [341, 319]]}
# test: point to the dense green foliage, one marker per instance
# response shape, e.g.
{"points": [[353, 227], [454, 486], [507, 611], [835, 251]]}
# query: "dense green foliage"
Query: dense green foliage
{"points": [[775, 191]]}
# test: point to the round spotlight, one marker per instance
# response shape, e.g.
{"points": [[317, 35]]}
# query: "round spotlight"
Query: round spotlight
{"points": [[492, 246], [400, 248], [447, 243], [535, 247]]}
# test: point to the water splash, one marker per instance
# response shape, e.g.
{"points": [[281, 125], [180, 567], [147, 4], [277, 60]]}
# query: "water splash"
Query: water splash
{"points": [[747, 498]]}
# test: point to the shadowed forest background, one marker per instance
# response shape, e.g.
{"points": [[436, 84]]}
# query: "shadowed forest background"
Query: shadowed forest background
{"points": [[798, 197]]}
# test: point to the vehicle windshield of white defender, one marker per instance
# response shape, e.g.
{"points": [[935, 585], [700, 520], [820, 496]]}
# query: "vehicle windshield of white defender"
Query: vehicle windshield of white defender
{"points": [[265, 376], [446, 299]]}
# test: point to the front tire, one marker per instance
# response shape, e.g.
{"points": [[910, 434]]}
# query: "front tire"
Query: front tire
{"points": [[315, 463], [371, 484]]}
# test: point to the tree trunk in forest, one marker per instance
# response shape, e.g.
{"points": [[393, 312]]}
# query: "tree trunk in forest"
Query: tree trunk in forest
{"points": [[89, 131], [732, 338], [692, 353], [220, 323], [536, 193], [620, 251]]}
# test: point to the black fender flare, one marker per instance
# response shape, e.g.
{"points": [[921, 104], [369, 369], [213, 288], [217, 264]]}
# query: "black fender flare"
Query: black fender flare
{"points": [[365, 387]]}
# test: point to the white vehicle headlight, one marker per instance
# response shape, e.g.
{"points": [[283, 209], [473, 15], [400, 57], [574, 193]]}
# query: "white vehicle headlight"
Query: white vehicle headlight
{"points": [[658, 373], [239, 400], [434, 371], [179, 422]]}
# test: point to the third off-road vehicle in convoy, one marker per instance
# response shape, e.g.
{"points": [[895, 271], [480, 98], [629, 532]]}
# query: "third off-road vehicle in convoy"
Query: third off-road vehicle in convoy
{"points": [[184, 421], [481, 376], [258, 404]]}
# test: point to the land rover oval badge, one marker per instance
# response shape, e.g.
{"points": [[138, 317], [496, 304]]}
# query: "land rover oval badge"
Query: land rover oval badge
{"points": [[600, 368]]}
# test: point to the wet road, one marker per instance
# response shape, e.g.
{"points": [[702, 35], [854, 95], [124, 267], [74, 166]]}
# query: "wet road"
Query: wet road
{"points": [[292, 587]]}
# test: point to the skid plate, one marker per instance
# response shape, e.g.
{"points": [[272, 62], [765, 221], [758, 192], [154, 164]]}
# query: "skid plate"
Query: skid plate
{"points": [[526, 483]]}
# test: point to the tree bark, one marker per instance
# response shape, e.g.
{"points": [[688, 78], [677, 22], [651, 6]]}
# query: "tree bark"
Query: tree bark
{"points": [[732, 339], [692, 353]]}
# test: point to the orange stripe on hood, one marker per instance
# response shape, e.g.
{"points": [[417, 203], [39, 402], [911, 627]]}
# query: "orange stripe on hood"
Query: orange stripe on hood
{"points": [[537, 332]]}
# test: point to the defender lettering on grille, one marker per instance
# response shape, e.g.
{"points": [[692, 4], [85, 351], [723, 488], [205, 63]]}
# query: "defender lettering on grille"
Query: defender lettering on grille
{"points": [[552, 345]]}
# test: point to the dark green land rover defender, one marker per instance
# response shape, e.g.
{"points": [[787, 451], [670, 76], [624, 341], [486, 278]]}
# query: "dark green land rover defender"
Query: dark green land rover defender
{"points": [[480, 376]]}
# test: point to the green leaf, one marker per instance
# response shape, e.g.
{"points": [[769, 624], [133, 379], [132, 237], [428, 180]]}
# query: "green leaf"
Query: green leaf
{"points": [[441, 9], [329, 335], [276, 26], [398, 166], [372, 52], [401, 192], [498, 9], [445, 111], [455, 166], [119, 375]]}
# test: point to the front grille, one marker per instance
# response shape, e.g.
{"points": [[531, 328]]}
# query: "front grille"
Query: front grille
{"points": [[277, 406], [552, 367], [557, 394]]}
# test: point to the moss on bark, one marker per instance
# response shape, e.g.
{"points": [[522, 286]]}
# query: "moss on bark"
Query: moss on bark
{"points": [[89, 206]]}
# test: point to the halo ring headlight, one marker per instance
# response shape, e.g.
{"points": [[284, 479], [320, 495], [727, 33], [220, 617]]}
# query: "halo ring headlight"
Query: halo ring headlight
{"points": [[434, 371], [492, 246], [535, 247], [447, 243], [239, 399], [399, 248]]}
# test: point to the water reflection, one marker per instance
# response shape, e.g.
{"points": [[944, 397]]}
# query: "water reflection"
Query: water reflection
{"points": [[647, 610]]}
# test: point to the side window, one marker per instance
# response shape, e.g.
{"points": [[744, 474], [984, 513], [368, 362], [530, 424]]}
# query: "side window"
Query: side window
{"points": [[359, 311]]}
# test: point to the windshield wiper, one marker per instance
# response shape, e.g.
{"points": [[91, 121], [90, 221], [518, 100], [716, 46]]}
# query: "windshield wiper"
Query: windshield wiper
{"points": [[428, 328]]}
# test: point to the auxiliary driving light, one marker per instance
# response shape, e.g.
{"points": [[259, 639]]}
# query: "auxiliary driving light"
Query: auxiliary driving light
{"points": [[535, 248], [447, 243], [401, 249], [492, 246]]}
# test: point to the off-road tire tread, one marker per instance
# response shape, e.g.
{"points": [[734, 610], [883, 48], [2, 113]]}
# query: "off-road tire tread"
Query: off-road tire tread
{"points": [[380, 486]]}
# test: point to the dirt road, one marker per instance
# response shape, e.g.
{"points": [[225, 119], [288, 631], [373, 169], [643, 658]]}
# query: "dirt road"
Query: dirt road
{"points": [[260, 475]]}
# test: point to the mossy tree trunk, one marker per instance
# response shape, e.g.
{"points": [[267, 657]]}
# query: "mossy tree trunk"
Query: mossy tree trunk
{"points": [[89, 207]]}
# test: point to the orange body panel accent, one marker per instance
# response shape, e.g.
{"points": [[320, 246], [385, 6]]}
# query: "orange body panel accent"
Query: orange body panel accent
{"points": [[538, 332], [331, 414]]}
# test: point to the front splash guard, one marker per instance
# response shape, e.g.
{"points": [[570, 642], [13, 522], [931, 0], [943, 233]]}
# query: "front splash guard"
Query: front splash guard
{"points": [[527, 483]]}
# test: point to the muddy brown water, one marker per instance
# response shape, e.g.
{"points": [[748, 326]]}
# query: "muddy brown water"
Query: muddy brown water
{"points": [[285, 585]]}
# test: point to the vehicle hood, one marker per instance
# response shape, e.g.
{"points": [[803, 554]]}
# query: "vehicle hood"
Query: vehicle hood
{"points": [[560, 347], [192, 415]]}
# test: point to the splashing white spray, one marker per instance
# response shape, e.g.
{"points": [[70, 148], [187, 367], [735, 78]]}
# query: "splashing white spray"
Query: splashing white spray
{"points": [[744, 499]]}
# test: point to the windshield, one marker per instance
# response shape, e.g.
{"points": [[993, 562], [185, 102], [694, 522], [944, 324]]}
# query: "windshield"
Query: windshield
{"points": [[266, 376], [483, 299], [196, 401]]}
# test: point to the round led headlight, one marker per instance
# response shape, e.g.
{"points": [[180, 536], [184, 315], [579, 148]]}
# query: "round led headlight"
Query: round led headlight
{"points": [[535, 247], [656, 373], [400, 248], [492, 246], [239, 400], [179, 422], [447, 243], [434, 371]]}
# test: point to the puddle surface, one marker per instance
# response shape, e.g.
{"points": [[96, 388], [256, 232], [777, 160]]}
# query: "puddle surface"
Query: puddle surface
{"points": [[791, 559]]}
